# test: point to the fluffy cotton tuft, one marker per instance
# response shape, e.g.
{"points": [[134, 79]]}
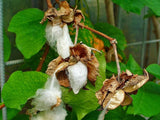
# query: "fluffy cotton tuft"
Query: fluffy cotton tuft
{"points": [[64, 43], [58, 113], [52, 34], [59, 37], [46, 98], [77, 76]]}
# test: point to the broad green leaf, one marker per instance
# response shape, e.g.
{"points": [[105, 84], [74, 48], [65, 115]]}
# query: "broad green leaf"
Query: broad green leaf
{"points": [[21, 117], [153, 5], [112, 32], [7, 48], [85, 101], [146, 101], [113, 67], [11, 113], [136, 6], [117, 114], [21, 86], [154, 69], [156, 117], [29, 32], [133, 66], [84, 35]]}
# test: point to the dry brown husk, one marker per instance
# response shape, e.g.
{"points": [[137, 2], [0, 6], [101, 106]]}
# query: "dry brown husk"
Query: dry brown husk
{"points": [[79, 52], [112, 89], [65, 14]]}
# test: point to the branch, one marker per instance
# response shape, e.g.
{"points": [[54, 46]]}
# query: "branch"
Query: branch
{"points": [[112, 41], [76, 36], [2, 106], [43, 58], [95, 31], [49, 4]]}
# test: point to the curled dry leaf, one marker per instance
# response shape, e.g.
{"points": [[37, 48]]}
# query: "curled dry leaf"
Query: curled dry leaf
{"points": [[112, 89], [79, 53]]}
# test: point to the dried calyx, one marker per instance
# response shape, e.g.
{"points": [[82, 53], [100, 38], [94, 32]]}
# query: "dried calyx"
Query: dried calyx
{"points": [[64, 15], [75, 70], [118, 93]]}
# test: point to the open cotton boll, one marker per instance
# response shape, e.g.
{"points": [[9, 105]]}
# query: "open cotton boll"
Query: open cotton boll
{"points": [[77, 75], [53, 33], [46, 98], [64, 43], [58, 113]]}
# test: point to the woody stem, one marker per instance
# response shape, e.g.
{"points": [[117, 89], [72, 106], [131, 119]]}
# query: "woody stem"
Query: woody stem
{"points": [[76, 36], [112, 41], [49, 4], [43, 58]]}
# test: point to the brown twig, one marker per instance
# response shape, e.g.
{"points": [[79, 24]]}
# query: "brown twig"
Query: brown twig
{"points": [[117, 60], [49, 4], [43, 58], [112, 41], [2, 106], [76, 36], [95, 31]]}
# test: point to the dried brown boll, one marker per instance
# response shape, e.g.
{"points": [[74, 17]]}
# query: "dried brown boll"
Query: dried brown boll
{"points": [[81, 64], [118, 93]]}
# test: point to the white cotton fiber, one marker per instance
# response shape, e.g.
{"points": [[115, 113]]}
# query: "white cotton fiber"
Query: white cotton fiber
{"points": [[77, 76], [53, 33], [64, 43], [47, 97], [58, 113]]}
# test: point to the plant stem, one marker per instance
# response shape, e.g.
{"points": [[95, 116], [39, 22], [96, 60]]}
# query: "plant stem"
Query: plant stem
{"points": [[117, 60], [49, 4], [43, 58], [112, 41], [76, 36], [2, 106], [95, 31]]}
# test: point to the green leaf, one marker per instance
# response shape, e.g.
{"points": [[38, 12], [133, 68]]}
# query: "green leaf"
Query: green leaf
{"points": [[116, 114], [11, 113], [29, 32], [21, 86], [146, 101], [113, 67], [84, 35], [85, 101], [154, 69], [153, 5], [156, 117], [133, 66], [112, 32], [136, 6], [7, 48]]}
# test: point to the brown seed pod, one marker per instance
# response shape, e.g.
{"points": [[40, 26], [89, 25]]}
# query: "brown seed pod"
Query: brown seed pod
{"points": [[127, 100]]}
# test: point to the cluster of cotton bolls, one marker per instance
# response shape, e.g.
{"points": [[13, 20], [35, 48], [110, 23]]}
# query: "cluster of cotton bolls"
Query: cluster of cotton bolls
{"points": [[59, 35]]}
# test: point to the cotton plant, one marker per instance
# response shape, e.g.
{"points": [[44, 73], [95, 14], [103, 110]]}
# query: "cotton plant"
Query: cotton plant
{"points": [[76, 61]]}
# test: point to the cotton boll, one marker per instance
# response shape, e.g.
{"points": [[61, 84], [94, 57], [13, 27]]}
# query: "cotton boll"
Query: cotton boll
{"points": [[53, 33], [46, 98], [64, 43], [58, 113], [77, 76]]}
